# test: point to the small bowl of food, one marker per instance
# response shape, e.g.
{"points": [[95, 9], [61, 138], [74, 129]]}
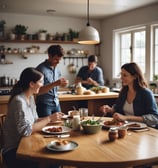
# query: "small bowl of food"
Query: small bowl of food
{"points": [[91, 126], [61, 144]]}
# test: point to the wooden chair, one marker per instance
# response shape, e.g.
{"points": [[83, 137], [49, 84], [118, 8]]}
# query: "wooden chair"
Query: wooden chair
{"points": [[2, 119]]}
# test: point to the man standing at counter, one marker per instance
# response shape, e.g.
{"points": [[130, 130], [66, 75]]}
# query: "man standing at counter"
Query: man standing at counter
{"points": [[47, 101], [90, 75]]}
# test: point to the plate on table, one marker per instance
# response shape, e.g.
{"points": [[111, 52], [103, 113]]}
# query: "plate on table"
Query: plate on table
{"points": [[136, 125], [109, 124], [72, 146], [57, 122], [55, 130]]}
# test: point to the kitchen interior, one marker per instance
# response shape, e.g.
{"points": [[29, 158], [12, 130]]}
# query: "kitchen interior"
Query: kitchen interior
{"points": [[58, 19]]}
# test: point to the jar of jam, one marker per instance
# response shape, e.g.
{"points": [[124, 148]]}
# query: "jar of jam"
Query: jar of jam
{"points": [[122, 131], [113, 134]]}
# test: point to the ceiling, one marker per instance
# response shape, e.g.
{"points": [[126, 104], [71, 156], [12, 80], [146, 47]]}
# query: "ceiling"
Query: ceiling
{"points": [[99, 9]]}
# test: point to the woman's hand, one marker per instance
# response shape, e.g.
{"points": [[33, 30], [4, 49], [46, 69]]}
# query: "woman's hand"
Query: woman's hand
{"points": [[119, 117], [56, 116], [106, 109]]}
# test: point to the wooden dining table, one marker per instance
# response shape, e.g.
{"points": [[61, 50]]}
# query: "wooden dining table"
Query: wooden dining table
{"points": [[94, 150]]}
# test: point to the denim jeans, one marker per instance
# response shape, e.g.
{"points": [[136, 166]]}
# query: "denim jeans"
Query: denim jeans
{"points": [[44, 110]]}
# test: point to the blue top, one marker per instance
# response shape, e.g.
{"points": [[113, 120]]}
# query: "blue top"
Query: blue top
{"points": [[96, 74], [144, 105], [50, 76]]}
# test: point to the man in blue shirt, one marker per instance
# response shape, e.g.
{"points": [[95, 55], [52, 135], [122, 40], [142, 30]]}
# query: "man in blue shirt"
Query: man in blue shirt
{"points": [[47, 101], [90, 75]]}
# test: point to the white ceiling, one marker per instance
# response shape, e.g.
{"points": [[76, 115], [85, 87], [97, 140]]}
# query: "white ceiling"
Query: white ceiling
{"points": [[99, 9]]}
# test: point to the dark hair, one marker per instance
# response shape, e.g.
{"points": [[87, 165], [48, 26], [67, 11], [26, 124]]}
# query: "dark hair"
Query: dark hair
{"points": [[28, 75], [92, 58], [135, 70], [54, 50]]}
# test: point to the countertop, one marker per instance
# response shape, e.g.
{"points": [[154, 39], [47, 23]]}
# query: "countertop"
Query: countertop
{"points": [[72, 97]]}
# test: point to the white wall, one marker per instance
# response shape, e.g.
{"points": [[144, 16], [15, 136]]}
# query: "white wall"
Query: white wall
{"points": [[141, 16], [144, 15], [52, 25]]}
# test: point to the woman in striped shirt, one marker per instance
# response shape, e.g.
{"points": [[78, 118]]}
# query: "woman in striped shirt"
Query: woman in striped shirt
{"points": [[22, 119]]}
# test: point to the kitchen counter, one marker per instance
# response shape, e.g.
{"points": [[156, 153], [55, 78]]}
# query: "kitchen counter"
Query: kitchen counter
{"points": [[69, 100], [93, 101]]}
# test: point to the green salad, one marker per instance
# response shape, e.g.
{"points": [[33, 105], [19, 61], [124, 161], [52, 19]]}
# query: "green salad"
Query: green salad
{"points": [[90, 122]]}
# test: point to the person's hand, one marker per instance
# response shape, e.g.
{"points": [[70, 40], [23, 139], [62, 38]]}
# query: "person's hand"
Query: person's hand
{"points": [[62, 82], [91, 81], [56, 116], [119, 117], [105, 109]]}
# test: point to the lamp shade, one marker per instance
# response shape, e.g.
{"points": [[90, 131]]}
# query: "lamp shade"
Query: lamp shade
{"points": [[89, 35]]}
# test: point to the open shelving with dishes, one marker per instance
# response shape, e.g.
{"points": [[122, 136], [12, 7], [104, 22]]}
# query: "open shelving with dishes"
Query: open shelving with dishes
{"points": [[39, 41]]}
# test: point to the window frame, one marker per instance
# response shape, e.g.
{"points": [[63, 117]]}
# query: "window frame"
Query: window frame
{"points": [[117, 48]]}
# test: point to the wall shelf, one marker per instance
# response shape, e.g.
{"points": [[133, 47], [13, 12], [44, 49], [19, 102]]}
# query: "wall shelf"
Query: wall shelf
{"points": [[39, 41]]}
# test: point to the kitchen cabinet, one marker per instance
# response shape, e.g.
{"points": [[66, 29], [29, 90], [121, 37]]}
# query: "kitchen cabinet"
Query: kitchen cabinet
{"points": [[3, 104], [94, 101]]}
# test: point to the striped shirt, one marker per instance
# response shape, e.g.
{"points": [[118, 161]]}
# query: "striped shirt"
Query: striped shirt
{"points": [[19, 121]]}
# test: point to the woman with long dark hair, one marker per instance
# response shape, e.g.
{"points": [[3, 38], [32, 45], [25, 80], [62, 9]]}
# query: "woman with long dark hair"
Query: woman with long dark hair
{"points": [[22, 119], [136, 102]]}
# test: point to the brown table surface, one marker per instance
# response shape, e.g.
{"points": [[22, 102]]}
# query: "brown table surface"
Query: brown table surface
{"points": [[95, 150]]}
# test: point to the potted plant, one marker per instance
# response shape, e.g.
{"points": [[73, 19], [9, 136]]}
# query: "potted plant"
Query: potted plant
{"points": [[73, 35], [2, 23], [42, 34], [20, 31]]}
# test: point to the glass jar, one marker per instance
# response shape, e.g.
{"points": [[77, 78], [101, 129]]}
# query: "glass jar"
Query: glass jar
{"points": [[122, 131], [113, 134], [79, 89]]}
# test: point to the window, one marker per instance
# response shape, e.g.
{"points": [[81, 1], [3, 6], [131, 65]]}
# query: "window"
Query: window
{"points": [[130, 46], [155, 49]]}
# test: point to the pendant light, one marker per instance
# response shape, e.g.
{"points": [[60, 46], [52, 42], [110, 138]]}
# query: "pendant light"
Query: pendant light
{"points": [[88, 35]]}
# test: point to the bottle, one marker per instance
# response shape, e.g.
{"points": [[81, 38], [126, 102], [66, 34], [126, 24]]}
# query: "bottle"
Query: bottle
{"points": [[76, 123], [79, 89]]}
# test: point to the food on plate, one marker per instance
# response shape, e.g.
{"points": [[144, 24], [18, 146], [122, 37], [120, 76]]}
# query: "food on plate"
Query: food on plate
{"points": [[54, 129], [61, 142], [88, 92], [114, 122], [133, 125], [100, 89]]}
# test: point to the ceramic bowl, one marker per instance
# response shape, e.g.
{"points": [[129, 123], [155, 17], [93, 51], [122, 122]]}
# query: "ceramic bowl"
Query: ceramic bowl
{"points": [[91, 129]]}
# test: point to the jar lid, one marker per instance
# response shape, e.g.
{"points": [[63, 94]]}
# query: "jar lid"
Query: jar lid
{"points": [[113, 130]]}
